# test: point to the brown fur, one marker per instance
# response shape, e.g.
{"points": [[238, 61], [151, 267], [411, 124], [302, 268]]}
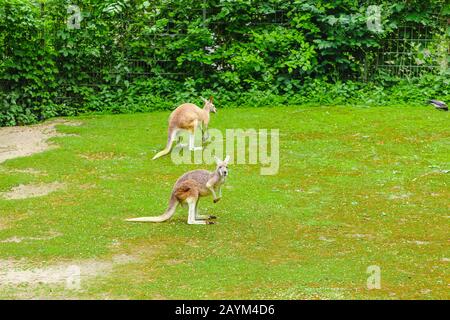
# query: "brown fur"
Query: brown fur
{"points": [[189, 188], [187, 117]]}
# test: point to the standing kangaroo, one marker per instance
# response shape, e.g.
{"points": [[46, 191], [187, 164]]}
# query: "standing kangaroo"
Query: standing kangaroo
{"points": [[189, 188], [188, 117]]}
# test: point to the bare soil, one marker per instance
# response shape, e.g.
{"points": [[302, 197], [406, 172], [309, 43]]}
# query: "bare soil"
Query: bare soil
{"points": [[18, 142]]}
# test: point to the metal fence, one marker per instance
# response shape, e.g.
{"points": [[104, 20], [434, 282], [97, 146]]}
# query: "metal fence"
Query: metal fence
{"points": [[408, 53], [405, 54]]}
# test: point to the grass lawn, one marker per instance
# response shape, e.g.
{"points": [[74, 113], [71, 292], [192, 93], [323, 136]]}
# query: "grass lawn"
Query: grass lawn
{"points": [[356, 187]]}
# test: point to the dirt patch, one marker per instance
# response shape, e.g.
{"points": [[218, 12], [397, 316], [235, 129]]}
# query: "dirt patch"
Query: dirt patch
{"points": [[400, 196], [15, 239], [360, 236], [28, 171], [102, 156], [419, 243], [14, 273], [18, 142], [322, 238], [25, 191], [31, 171]]}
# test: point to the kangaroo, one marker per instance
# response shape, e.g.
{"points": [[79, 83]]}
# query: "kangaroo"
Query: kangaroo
{"points": [[188, 117], [189, 188]]}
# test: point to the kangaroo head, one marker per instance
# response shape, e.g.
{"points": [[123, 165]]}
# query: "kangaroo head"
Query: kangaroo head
{"points": [[222, 166], [209, 104]]}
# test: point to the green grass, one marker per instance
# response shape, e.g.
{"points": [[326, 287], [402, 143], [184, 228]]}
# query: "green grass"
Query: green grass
{"points": [[356, 187]]}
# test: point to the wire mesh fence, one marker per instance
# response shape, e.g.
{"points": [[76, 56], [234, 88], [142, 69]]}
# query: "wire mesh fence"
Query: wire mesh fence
{"points": [[150, 62], [407, 53]]}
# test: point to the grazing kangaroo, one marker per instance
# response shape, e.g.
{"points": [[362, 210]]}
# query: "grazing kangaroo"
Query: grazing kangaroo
{"points": [[189, 188], [188, 117]]}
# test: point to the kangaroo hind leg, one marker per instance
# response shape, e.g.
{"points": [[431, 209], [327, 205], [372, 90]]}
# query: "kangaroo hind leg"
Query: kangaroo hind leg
{"points": [[192, 146], [192, 203], [192, 132], [180, 137], [202, 216]]}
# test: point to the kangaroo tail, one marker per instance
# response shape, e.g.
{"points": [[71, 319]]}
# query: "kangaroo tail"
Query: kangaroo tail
{"points": [[170, 139], [173, 203]]}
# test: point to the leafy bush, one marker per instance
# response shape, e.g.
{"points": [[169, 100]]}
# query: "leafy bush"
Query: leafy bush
{"points": [[136, 55], [27, 66]]}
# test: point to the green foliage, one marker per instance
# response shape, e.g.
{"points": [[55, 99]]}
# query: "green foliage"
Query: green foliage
{"points": [[27, 65], [135, 55]]}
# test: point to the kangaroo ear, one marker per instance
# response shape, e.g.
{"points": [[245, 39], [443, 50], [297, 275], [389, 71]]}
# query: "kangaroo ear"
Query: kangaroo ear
{"points": [[218, 161], [211, 98], [227, 158], [204, 100]]}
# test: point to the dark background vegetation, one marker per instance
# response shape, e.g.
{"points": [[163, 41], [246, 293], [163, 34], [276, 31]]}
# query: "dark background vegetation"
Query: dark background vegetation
{"points": [[135, 55]]}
